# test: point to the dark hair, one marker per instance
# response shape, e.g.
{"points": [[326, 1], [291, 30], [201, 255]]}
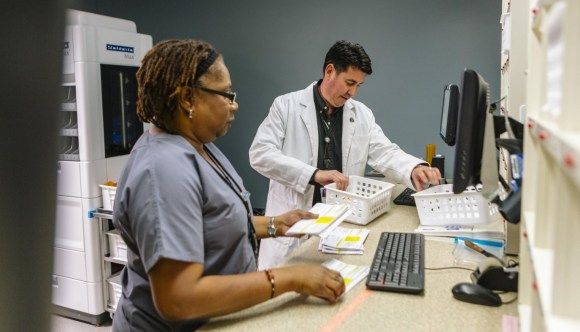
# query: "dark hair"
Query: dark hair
{"points": [[344, 54], [168, 67]]}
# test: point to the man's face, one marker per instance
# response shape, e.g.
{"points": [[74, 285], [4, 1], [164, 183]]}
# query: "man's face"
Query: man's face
{"points": [[337, 88]]}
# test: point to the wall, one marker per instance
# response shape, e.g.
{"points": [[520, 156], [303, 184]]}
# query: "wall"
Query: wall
{"points": [[30, 74], [274, 47]]}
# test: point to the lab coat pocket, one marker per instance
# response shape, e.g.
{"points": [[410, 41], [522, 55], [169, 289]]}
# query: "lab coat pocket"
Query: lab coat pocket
{"points": [[359, 151], [281, 199]]}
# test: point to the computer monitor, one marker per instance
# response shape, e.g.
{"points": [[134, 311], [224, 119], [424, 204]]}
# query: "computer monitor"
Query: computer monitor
{"points": [[471, 119], [448, 124]]}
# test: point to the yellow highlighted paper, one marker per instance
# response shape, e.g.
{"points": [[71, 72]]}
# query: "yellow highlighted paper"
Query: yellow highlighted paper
{"points": [[329, 216], [324, 220]]}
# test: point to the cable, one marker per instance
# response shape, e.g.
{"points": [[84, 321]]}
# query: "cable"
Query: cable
{"points": [[510, 301], [449, 268], [508, 125], [493, 106]]}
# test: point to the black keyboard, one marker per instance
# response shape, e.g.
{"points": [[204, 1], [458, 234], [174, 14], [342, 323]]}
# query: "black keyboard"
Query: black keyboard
{"points": [[399, 263], [405, 197]]}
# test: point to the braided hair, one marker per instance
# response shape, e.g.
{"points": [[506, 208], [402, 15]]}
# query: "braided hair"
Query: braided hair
{"points": [[168, 67]]}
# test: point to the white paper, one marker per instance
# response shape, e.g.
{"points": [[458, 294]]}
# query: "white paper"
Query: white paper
{"points": [[329, 217], [347, 241], [352, 274], [330, 250]]}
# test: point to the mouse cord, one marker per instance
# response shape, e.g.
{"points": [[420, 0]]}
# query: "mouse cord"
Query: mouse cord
{"points": [[510, 301], [512, 263], [449, 268]]}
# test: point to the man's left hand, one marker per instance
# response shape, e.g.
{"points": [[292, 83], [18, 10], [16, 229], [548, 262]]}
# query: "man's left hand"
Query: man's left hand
{"points": [[425, 176]]}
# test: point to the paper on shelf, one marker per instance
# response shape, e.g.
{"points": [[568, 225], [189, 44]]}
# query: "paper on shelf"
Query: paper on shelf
{"points": [[352, 274], [493, 231], [329, 216]]}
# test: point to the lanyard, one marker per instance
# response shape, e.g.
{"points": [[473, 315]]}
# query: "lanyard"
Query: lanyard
{"points": [[243, 195]]}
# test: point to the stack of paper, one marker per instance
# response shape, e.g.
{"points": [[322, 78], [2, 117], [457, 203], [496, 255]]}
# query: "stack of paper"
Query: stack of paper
{"points": [[329, 216], [493, 231], [351, 274], [346, 241]]}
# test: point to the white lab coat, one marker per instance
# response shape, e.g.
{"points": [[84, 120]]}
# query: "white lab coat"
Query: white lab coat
{"points": [[285, 149]]}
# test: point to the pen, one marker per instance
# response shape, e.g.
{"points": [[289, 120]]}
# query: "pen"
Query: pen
{"points": [[483, 251]]}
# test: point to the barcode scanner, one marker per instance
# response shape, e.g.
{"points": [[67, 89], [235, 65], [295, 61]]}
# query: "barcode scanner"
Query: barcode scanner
{"points": [[493, 272], [495, 276]]}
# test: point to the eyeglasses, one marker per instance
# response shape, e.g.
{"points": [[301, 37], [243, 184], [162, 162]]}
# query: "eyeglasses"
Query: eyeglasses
{"points": [[228, 94]]}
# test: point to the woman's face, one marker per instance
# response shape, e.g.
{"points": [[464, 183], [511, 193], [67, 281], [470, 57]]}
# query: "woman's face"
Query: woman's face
{"points": [[213, 114]]}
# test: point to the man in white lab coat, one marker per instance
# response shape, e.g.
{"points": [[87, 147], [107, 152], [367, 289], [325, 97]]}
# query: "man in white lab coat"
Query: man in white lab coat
{"points": [[320, 135]]}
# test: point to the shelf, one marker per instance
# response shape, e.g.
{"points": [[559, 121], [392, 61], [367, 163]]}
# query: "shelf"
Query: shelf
{"points": [[69, 107], [543, 263], [525, 312], [103, 214], [561, 145], [114, 251], [69, 132], [551, 181], [115, 260], [556, 323], [68, 157], [537, 18], [538, 14]]}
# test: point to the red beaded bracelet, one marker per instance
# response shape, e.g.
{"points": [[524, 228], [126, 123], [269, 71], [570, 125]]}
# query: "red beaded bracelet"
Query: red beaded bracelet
{"points": [[270, 277]]}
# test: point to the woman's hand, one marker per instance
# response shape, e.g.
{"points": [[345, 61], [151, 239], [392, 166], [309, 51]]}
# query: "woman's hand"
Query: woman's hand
{"points": [[315, 280], [284, 221]]}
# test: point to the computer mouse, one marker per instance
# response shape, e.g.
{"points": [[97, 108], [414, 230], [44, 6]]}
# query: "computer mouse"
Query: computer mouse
{"points": [[473, 293]]}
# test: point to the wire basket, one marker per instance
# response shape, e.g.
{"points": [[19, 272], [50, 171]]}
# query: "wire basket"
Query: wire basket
{"points": [[367, 198], [438, 205]]}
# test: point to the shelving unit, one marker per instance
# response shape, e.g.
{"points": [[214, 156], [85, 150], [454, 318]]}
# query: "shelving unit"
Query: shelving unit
{"points": [[550, 225], [114, 258], [513, 88]]}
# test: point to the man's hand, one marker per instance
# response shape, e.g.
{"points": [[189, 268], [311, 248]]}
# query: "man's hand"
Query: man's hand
{"points": [[425, 176], [325, 177]]}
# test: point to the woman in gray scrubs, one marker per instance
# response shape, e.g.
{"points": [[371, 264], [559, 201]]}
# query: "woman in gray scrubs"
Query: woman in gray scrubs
{"points": [[183, 210]]}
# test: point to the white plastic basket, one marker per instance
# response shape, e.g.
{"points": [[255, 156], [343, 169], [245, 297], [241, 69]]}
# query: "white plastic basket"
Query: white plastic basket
{"points": [[367, 198], [117, 247], [114, 289], [108, 196], [438, 205]]}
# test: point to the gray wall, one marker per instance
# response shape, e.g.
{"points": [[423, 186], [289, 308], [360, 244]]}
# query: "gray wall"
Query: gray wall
{"points": [[30, 75], [273, 47]]}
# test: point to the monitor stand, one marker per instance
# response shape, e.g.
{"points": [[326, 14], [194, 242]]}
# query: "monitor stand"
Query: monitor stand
{"points": [[489, 166]]}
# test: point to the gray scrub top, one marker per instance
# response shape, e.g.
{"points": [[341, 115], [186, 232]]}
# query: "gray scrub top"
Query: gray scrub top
{"points": [[170, 203]]}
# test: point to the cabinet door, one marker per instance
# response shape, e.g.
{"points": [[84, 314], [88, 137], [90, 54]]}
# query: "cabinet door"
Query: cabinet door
{"points": [[69, 223], [68, 179], [78, 295]]}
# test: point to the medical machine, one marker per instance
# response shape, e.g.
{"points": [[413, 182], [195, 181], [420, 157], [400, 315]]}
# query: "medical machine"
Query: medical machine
{"points": [[98, 128]]}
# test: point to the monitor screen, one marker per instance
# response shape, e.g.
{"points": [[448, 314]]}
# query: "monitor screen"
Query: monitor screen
{"points": [[448, 124], [473, 108], [121, 124]]}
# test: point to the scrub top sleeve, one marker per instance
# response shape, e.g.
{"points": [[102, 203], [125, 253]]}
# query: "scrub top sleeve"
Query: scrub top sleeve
{"points": [[169, 209]]}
